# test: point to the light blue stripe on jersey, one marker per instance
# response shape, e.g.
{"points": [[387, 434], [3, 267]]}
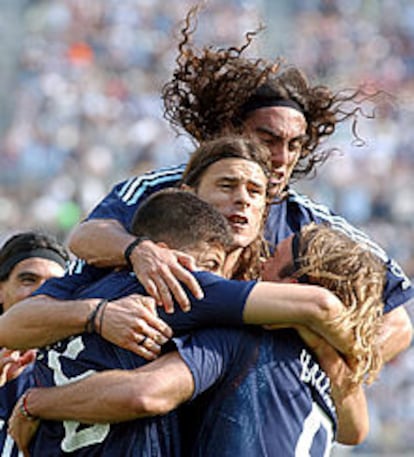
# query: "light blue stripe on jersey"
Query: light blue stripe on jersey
{"points": [[342, 225], [76, 267], [135, 187], [339, 223]]}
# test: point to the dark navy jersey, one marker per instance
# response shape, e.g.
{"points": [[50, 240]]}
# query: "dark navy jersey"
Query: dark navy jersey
{"points": [[9, 394], [285, 218], [257, 393], [223, 301], [81, 355], [73, 359]]}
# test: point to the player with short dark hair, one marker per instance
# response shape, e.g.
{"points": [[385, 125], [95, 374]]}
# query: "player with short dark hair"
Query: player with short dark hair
{"points": [[264, 391]]}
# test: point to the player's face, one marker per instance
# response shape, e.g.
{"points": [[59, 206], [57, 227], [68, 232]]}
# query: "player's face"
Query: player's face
{"points": [[237, 189], [280, 267], [25, 278], [283, 131], [209, 257]]}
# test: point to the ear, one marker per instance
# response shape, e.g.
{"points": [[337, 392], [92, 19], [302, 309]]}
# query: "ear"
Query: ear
{"points": [[161, 244], [187, 188]]}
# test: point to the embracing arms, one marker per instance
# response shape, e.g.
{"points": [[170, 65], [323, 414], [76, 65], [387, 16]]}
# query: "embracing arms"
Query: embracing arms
{"points": [[102, 242]]}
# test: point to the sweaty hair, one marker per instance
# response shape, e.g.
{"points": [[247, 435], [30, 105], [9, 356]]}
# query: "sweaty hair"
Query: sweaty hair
{"points": [[30, 244], [211, 90], [237, 147], [181, 220], [357, 277]]}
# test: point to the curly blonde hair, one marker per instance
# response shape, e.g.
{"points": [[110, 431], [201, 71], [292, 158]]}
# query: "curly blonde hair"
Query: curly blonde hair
{"points": [[356, 276]]}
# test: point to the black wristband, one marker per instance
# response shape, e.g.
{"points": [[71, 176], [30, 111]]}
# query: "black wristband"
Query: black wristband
{"points": [[90, 326], [131, 247]]}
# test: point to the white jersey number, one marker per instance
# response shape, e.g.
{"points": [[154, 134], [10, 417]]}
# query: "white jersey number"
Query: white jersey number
{"points": [[313, 422], [75, 439]]}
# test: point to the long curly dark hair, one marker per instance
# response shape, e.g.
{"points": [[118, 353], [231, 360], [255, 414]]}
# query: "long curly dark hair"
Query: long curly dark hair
{"points": [[208, 92]]}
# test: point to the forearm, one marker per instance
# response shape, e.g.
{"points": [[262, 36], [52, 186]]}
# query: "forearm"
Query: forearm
{"points": [[273, 303], [100, 398], [396, 334], [292, 304], [350, 402], [41, 320], [101, 242], [117, 395], [352, 415]]}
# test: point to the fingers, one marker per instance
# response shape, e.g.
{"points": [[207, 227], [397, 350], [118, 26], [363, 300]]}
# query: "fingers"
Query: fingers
{"points": [[160, 271], [129, 320], [148, 349]]}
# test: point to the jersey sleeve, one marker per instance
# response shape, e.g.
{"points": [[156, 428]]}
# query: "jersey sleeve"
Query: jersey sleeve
{"points": [[77, 277], [299, 210], [124, 198], [208, 354], [223, 304]]}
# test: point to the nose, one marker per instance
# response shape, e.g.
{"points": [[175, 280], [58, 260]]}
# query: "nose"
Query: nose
{"points": [[242, 196], [280, 154]]}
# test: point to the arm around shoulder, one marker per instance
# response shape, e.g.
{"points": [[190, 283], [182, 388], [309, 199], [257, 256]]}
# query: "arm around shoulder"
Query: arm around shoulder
{"points": [[101, 242], [41, 320], [117, 395]]}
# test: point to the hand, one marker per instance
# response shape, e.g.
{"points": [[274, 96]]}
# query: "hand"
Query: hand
{"points": [[12, 363], [332, 363], [160, 271], [22, 429], [131, 322]]}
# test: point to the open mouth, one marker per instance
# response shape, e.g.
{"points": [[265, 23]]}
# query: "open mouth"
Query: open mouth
{"points": [[238, 221]]}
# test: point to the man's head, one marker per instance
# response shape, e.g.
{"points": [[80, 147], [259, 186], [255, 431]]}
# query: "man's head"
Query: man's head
{"points": [[321, 255], [231, 173], [219, 90], [27, 260], [182, 221]]}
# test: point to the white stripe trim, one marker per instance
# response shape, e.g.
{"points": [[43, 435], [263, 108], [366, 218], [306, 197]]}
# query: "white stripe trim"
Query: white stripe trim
{"points": [[135, 187]]}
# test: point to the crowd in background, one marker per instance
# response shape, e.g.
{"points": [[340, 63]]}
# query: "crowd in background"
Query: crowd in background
{"points": [[87, 113]]}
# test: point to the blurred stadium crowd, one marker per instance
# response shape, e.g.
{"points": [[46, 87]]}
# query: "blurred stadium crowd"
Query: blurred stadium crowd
{"points": [[85, 112]]}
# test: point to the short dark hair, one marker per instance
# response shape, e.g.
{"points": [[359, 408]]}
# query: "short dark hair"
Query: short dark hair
{"points": [[181, 220], [30, 244]]}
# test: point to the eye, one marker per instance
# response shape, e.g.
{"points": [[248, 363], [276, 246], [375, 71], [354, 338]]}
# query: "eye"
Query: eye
{"points": [[212, 265], [295, 146], [28, 280]]}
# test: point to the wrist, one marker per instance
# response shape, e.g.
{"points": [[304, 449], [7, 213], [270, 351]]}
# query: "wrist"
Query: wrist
{"points": [[24, 408], [95, 318], [128, 250]]}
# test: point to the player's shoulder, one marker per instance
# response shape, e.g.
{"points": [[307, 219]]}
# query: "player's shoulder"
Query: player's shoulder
{"points": [[135, 186], [305, 203]]}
